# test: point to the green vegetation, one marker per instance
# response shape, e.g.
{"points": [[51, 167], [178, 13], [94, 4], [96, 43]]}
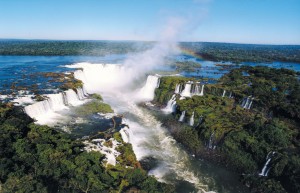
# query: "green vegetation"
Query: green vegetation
{"points": [[277, 90], [244, 52], [244, 137], [37, 158], [211, 51], [96, 96], [167, 87], [93, 107], [187, 66], [67, 81], [69, 48]]}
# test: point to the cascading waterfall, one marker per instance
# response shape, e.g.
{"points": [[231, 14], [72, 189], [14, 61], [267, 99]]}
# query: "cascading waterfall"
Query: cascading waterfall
{"points": [[230, 95], [210, 142], [202, 90], [125, 132], [146, 134], [74, 98], [197, 89], [250, 104], [171, 105], [190, 89], [265, 170], [224, 92], [44, 112], [178, 88], [158, 83], [181, 118], [191, 123], [81, 93], [247, 102], [187, 90], [147, 92]]}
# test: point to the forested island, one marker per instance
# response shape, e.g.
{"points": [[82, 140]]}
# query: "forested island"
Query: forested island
{"points": [[207, 50], [248, 122]]}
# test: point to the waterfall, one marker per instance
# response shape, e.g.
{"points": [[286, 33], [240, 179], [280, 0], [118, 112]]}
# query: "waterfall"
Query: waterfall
{"points": [[197, 89], [230, 95], [244, 102], [178, 88], [73, 98], [265, 170], [181, 118], [146, 134], [158, 83], [125, 135], [147, 92], [210, 142], [192, 119], [44, 111], [171, 105], [200, 121], [247, 102], [250, 104], [80, 93], [55, 101], [202, 90], [187, 90], [224, 92]]}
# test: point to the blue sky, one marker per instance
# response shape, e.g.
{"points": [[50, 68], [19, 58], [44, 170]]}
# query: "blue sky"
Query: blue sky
{"points": [[238, 21]]}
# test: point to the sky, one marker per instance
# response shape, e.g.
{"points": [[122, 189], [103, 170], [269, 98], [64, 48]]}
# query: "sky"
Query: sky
{"points": [[236, 21]]}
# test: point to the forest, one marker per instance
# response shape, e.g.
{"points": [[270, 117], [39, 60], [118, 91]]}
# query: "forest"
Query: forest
{"points": [[244, 52], [243, 138], [35, 158], [207, 50], [69, 48]]}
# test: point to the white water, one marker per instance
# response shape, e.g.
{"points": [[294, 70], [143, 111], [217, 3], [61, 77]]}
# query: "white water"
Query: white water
{"points": [[197, 89], [265, 170], [181, 118], [210, 143], [47, 111], [202, 90], [125, 134], [110, 153], [178, 89], [145, 133], [187, 90], [147, 91], [171, 105], [247, 102], [191, 123], [224, 92], [250, 104]]}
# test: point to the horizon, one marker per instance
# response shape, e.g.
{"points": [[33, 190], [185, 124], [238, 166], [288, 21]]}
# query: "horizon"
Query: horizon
{"points": [[271, 22], [99, 40]]}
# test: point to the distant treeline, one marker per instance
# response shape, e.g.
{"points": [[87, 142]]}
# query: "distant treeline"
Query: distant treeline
{"points": [[244, 52], [210, 51], [69, 48]]}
